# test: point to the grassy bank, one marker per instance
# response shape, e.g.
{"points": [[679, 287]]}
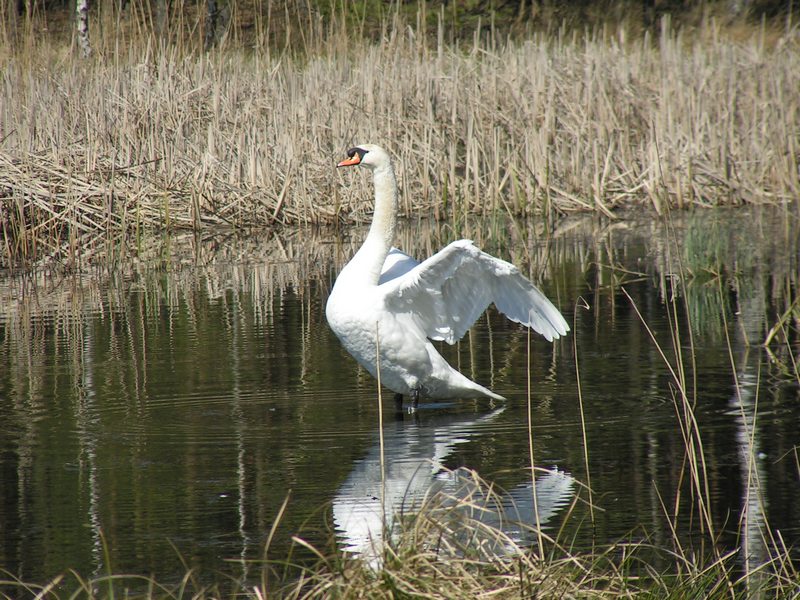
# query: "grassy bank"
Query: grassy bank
{"points": [[144, 136]]}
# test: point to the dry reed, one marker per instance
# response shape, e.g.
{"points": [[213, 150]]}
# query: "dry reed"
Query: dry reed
{"points": [[153, 136]]}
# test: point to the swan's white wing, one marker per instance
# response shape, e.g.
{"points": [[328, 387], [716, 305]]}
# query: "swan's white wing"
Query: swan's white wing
{"points": [[397, 263], [446, 294]]}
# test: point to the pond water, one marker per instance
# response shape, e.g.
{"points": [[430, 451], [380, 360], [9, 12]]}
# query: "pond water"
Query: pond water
{"points": [[161, 408]]}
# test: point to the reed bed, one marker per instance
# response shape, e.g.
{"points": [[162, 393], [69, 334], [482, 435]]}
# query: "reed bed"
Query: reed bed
{"points": [[147, 135]]}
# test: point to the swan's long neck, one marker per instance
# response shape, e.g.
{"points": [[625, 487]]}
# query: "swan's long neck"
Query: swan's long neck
{"points": [[368, 261]]}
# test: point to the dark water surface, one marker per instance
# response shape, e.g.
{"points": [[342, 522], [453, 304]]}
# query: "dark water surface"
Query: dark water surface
{"points": [[164, 406]]}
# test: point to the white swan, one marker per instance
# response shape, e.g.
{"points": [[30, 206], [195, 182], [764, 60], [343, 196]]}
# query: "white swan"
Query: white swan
{"points": [[385, 298]]}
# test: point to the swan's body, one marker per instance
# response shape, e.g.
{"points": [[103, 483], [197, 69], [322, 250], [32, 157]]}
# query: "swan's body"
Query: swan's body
{"points": [[384, 298]]}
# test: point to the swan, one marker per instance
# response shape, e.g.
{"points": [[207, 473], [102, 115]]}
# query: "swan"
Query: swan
{"points": [[384, 299]]}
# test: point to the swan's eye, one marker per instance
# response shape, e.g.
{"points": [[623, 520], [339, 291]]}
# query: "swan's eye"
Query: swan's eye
{"points": [[353, 151]]}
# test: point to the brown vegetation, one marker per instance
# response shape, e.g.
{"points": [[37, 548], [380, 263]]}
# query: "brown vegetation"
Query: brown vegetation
{"points": [[149, 136]]}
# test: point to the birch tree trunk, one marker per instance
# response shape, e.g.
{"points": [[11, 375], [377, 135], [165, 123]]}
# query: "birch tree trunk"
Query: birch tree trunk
{"points": [[82, 9]]}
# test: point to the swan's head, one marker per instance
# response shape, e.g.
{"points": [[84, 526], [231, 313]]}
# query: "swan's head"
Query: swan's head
{"points": [[366, 155]]}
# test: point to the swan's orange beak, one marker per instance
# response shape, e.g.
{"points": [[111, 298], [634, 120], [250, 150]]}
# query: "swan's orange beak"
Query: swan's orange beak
{"points": [[349, 162]]}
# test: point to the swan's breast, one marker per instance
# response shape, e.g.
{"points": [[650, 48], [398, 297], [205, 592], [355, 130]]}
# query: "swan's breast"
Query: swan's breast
{"points": [[352, 315], [362, 322]]}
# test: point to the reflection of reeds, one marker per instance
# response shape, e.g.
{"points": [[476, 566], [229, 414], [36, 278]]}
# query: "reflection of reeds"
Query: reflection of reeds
{"points": [[723, 261], [165, 139], [180, 271], [453, 548]]}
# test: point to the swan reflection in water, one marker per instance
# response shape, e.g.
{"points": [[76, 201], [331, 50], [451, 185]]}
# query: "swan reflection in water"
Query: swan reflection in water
{"points": [[414, 455]]}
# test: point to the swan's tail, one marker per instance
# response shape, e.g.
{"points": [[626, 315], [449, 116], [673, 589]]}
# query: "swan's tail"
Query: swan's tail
{"points": [[466, 388], [487, 392]]}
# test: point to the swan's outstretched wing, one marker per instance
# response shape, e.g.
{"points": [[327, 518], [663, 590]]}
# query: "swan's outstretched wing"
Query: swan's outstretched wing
{"points": [[449, 291]]}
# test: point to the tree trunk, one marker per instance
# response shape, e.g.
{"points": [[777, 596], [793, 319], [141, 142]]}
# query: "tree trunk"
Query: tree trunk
{"points": [[212, 13], [739, 8], [82, 9], [162, 19]]}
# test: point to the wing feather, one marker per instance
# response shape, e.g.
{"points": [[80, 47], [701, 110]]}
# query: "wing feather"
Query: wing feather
{"points": [[446, 293]]}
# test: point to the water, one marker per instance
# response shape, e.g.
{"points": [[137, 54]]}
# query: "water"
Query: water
{"points": [[161, 409]]}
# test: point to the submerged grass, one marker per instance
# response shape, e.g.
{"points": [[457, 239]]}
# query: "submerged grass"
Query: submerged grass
{"points": [[152, 135]]}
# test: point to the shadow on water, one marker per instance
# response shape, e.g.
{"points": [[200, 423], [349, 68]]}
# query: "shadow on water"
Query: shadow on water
{"points": [[173, 399]]}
